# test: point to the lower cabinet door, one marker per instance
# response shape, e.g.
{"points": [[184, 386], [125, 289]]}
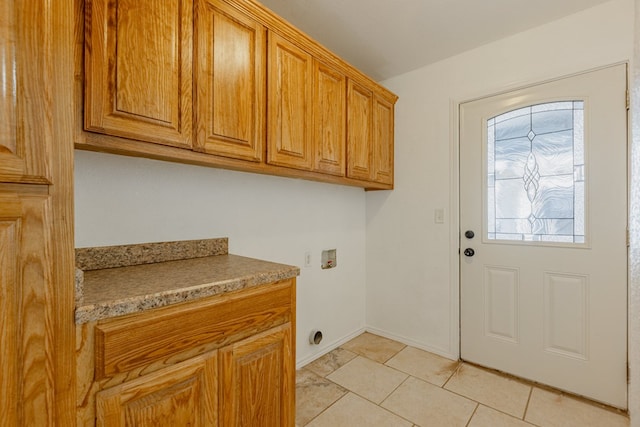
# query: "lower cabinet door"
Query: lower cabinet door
{"points": [[185, 394], [258, 380]]}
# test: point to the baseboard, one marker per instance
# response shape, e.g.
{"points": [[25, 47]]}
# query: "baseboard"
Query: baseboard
{"points": [[404, 340], [412, 343], [329, 348]]}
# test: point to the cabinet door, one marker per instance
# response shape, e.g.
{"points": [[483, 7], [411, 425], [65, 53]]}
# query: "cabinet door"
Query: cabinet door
{"points": [[25, 333], [181, 395], [230, 51], [359, 126], [382, 140], [290, 110], [258, 380], [25, 93], [138, 69], [329, 120]]}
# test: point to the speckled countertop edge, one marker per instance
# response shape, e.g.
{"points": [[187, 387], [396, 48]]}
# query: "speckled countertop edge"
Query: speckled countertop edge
{"points": [[132, 278], [118, 307], [102, 257]]}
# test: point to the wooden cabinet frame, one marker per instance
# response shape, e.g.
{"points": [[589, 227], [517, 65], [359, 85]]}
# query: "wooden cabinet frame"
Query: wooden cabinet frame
{"points": [[236, 123], [37, 373]]}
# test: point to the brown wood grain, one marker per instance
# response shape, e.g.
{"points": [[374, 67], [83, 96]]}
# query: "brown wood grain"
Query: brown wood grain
{"points": [[232, 121], [256, 376], [26, 373], [359, 129], [247, 377], [230, 82], [290, 111], [185, 394], [329, 120], [61, 289], [108, 144], [37, 373], [138, 69], [382, 140], [24, 48], [10, 381], [129, 342]]}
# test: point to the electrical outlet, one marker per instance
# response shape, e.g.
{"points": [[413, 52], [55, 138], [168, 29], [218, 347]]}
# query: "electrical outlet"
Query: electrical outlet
{"points": [[329, 259], [307, 259]]}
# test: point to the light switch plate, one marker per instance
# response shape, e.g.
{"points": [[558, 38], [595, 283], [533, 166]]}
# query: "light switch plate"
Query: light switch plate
{"points": [[307, 259]]}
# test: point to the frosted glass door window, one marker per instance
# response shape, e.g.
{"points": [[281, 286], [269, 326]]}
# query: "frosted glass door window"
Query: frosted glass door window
{"points": [[535, 174]]}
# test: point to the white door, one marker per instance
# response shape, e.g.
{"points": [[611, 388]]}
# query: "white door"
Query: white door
{"points": [[543, 189]]}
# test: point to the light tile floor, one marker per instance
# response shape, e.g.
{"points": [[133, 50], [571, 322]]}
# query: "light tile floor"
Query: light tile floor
{"points": [[373, 381]]}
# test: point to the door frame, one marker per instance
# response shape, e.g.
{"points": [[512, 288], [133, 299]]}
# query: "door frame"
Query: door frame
{"points": [[454, 204]]}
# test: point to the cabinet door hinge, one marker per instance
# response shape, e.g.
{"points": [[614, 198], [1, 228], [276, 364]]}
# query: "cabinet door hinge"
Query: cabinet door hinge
{"points": [[628, 238], [628, 99], [628, 374]]}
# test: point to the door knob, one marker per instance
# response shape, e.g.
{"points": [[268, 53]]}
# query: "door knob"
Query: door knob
{"points": [[469, 252], [469, 234]]}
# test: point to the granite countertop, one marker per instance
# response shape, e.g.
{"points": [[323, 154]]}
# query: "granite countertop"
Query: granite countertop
{"points": [[118, 280]]}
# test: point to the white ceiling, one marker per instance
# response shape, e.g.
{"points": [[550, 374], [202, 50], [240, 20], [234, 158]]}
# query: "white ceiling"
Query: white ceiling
{"points": [[386, 38]]}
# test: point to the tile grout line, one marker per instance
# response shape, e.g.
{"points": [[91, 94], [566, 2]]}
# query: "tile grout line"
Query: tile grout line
{"points": [[327, 408], [452, 375], [393, 391], [455, 372], [526, 407], [379, 405], [478, 402], [472, 414], [394, 355]]}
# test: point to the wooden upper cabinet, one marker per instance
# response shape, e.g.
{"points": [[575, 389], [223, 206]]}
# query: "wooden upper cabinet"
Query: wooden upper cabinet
{"points": [[228, 81], [329, 120], [382, 140], [182, 395], [258, 380], [25, 101], [138, 69], [370, 135], [359, 129], [230, 55], [290, 112]]}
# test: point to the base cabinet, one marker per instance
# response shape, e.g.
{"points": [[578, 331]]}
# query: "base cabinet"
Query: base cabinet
{"points": [[226, 360]]}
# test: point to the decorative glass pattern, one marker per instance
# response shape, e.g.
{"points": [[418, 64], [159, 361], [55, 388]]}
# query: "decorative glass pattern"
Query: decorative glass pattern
{"points": [[536, 174]]}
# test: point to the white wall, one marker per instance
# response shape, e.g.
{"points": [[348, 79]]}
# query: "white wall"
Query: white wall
{"points": [[411, 282], [121, 200], [412, 288]]}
